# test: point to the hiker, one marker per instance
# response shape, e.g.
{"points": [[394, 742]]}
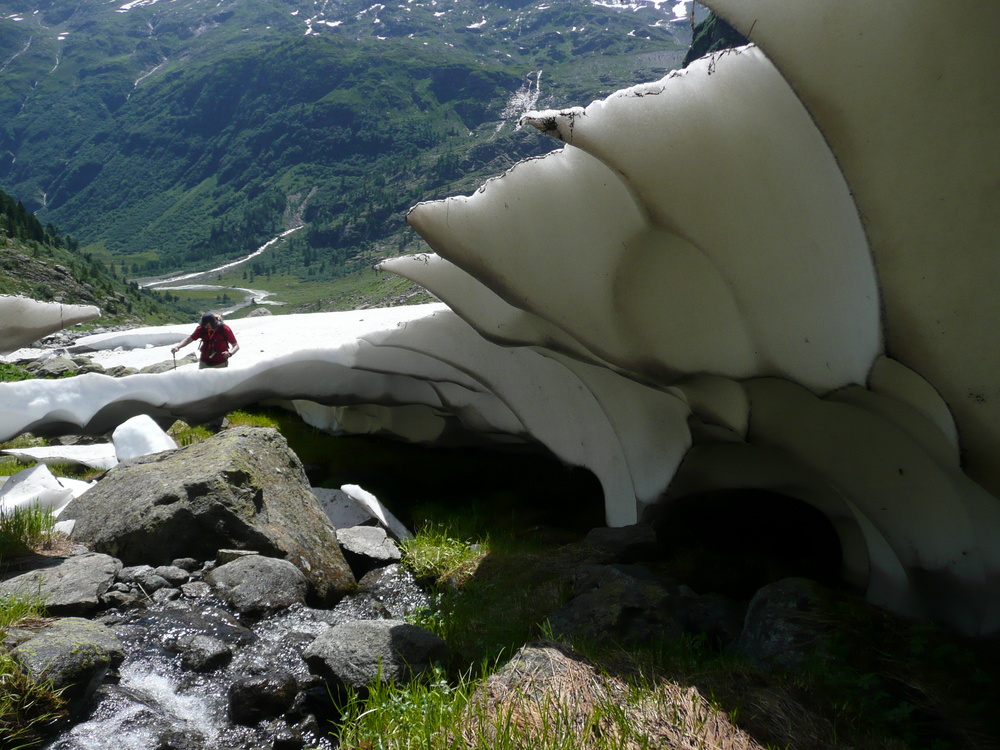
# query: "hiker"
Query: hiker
{"points": [[218, 343]]}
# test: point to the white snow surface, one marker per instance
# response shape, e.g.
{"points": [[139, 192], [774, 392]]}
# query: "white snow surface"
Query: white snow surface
{"points": [[37, 486], [700, 291], [140, 436]]}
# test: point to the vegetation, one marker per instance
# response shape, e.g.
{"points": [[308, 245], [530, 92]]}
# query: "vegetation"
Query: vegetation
{"points": [[882, 681], [174, 136], [41, 263], [24, 529]]}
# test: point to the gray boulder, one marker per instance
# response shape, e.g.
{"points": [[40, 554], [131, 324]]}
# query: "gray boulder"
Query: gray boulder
{"points": [[258, 586], [74, 653], [242, 489], [785, 623], [366, 548], [611, 602], [258, 697], [70, 586], [358, 654]]}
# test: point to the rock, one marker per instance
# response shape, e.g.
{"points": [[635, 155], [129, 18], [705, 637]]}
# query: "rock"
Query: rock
{"points": [[258, 697], [366, 548], [241, 489], [186, 563], [357, 654], [143, 576], [625, 543], [396, 589], [55, 367], [717, 616], [783, 623], [612, 604], [203, 653], [224, 556], [258, 586], [74, 653], [260, 312], [70, 586], [172, 574], [196, 590]]}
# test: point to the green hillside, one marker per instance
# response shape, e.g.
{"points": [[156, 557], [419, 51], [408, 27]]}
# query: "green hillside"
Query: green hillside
{"points": [[39, 262], [173, 136]]}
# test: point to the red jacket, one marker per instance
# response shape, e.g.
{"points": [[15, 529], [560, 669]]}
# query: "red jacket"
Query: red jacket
{"points": [[215, 342]]}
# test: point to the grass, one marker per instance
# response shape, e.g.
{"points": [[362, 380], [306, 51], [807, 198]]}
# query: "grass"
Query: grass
{"points": [[28, 707], [881, 681], [24, 529]]}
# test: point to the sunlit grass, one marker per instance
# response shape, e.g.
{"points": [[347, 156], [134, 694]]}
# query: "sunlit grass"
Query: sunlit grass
{"points": [[24, 529], [27, 707]]}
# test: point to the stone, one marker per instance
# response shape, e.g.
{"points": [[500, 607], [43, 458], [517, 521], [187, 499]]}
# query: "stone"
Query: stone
{"points": [[172, 574], [396, 589], [257, 586], [70, 586], [624, 543], [143, 576], [240, 489], [366, 548], [258, 697], [357, 654], [203, 653], [74, 653], [784, 623], [610, 603]]}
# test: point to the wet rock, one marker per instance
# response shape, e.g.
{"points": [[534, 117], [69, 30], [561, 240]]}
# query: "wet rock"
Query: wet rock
{"points": [[240, 489], [257, 586], [172, 574], [203, 653], [196, 590], [258, 697], [366, 548], [166, 595], [396, 589], [70, 586], [144, 577], [357, 654], [74, 653], [188, 564]]}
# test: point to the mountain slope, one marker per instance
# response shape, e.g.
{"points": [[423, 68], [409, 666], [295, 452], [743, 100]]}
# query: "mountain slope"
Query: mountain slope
{"points": [[171, 134]]}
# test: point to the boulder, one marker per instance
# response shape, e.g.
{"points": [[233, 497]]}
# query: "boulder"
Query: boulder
{"points": [[242, 488], [70, 586], [74, 653], [258, 697], [358, 654], [258, 586], [611, 603], [784, 623], [366, 548]]}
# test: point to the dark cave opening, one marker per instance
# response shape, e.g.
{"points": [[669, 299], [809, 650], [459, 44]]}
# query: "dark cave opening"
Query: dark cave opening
{"points": [[734, 541]]}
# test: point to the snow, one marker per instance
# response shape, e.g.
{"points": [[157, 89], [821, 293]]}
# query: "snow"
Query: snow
{"points": [[98, 456], [140, 436], [36, 487], [24, 320], [728, 278]]}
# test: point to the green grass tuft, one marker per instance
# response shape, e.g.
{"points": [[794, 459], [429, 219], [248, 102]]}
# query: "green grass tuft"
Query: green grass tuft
{"points": [[24, 529]]}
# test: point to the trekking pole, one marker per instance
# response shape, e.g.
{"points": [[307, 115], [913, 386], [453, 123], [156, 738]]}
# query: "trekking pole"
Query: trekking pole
{"points": [[175, 359]]}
